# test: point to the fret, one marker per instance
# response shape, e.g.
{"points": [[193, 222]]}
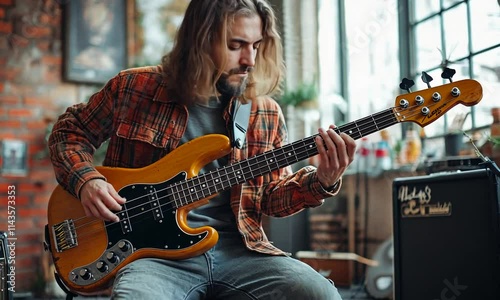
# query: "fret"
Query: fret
{"points": [[227, 180], [163, 193], [196, 188], [169, 193], [240, 174], [291, 156], [351, 129], [262, 166], [185, 192], [253, 163], [269, 162], [203, 186], [217, 180], [302, 149], [177, 193], [375, 122], [247, 169], [281, 158], [360, 135], [233, 180], [214, 185], [311, 148]]}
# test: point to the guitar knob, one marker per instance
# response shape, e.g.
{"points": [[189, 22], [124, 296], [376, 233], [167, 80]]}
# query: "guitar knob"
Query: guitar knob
{"points": [[425, 111], [455, 92], [124, 246], [436, 97], [404, 103], [112, 257], [101, 266], [85, 274], [419, 100]]}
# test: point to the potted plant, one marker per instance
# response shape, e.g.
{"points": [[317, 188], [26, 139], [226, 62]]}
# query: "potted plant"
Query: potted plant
{"points": [[304, 95]]}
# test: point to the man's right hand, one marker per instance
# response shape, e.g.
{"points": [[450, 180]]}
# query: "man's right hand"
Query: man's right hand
{"points": [[99, 199]]}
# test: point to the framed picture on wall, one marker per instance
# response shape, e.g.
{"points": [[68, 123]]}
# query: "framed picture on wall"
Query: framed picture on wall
{"points": [[14, 158], [95, 40]]}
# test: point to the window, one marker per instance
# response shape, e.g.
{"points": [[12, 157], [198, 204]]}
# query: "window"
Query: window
{"points": [[360, 53], [372, 56], [459, 34], [358, 42]]}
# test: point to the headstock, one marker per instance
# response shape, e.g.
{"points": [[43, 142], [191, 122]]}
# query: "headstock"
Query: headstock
{"points": [[426, 106]]}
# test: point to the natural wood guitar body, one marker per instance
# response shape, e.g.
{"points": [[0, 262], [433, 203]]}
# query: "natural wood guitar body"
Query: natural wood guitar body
{"points": [[96, 238]]}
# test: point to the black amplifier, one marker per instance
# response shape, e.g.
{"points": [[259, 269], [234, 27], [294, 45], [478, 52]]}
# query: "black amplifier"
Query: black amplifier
{"points": [[446, 236], [457, 163]]}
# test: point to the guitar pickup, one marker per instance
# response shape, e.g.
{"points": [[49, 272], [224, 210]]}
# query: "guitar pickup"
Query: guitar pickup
{"points": [[155, 205], [64, 234], [125, 221]]}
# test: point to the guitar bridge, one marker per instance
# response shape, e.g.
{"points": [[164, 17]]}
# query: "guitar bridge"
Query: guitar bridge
{"points": [[64, 234]]}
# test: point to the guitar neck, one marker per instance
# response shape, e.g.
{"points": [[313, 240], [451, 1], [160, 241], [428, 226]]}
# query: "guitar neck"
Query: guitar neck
{"points": [[207, 184]]}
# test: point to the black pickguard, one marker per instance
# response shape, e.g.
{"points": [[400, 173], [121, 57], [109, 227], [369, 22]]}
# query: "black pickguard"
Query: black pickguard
{"points": [[149, 218]]}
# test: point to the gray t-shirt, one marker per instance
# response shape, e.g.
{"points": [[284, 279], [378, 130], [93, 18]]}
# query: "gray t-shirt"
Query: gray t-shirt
{"points": [[217, 213]]}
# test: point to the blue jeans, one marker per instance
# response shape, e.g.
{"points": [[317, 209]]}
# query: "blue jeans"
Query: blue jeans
{"points": [[227, 271]]}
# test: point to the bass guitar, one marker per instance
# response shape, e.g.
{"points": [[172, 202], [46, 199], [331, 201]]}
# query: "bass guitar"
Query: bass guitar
{"points": [[88, 252]]}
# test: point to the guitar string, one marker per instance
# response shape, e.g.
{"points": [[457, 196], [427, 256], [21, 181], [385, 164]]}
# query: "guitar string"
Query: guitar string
{"points": [[366, 123]]}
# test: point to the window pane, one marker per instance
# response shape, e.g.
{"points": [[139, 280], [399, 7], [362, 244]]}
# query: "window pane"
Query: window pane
{"points": [[328, 45], [448, 3], [424, 8], [333, 106], [485, 25], [428, 44], [373, 75], [486, 71], [456, 33]]}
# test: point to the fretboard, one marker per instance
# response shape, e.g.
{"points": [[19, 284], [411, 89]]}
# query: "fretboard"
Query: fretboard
{"points": [[204, 185]]}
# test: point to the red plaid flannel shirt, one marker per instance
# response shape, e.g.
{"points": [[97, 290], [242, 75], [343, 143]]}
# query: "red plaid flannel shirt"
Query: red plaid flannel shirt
{"points": [[133, 111]]}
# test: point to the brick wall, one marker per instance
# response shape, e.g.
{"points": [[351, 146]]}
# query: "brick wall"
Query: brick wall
{"points": [[32, 93]]}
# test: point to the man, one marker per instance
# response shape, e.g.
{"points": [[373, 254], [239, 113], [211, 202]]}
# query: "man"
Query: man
{"points": [[227, 52]]}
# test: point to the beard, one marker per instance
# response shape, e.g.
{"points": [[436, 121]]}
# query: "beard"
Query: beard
{"points": [[229, 90]]}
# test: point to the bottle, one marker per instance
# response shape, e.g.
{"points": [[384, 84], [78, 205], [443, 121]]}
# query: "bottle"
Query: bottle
{"points": [[365, 153], [383, 152], [413, 146], [398, 153], [422, 139]]}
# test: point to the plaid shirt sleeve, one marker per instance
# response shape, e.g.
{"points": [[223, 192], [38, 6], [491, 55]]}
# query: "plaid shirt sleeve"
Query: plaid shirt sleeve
{"points": [[279, 193], [282, 192], [132, 112], [76, 135]]}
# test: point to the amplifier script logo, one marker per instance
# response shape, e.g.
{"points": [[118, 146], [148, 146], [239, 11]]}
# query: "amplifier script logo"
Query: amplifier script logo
{"points": [[418, 203]]}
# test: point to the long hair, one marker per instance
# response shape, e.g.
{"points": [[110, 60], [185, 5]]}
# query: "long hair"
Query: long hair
{"points": [[189, 68]]}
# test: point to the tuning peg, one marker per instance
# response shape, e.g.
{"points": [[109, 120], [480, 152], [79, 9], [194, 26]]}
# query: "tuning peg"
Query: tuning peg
{"points": [[406, 84], [448, 74], [426, 78]]}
